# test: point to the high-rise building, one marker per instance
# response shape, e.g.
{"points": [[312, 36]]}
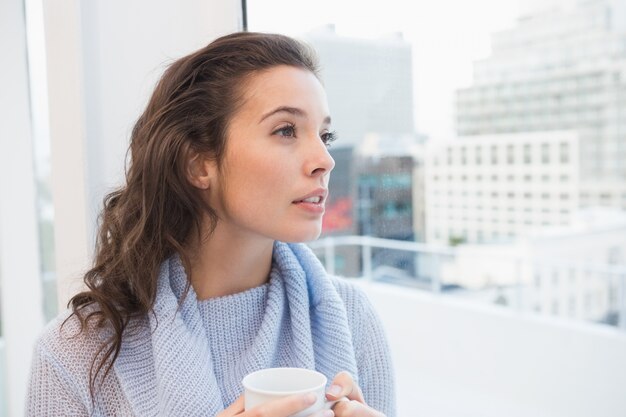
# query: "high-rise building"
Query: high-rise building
{"points": [[369, 83], [369, 87], [370, 94], [562, 67]]}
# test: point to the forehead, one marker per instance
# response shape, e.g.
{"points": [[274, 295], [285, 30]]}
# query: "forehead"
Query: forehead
{"points": [[284, 86]]}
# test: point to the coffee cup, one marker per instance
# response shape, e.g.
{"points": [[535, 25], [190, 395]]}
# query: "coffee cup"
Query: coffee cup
{"points": [[274, 383]]}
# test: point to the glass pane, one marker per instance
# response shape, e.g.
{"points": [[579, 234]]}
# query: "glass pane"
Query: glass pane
{"points": [[481, 149]]}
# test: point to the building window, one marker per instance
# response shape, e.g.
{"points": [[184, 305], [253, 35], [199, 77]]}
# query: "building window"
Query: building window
{"points": [[545, 153], [510, 154], [494, 155], [564, 152], [527, 154]]}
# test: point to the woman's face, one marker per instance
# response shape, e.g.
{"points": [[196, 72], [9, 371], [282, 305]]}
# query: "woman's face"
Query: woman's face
{"points": [[273, 180]]}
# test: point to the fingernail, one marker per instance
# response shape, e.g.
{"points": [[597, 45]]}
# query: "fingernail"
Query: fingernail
{"points": [[310, 398], [334, 390]]}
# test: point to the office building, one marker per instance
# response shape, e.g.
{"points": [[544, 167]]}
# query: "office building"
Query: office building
{"points": [[495, 187], [562, 67]]}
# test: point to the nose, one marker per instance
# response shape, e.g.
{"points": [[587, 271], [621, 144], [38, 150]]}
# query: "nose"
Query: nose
{"points": [[319, 162]]}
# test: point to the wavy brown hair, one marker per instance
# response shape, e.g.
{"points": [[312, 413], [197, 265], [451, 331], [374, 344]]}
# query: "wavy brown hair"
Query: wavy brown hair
{"points": [[156, 213]]}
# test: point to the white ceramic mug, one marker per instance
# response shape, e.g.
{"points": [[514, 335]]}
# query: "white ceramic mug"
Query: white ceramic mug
{"points": [[274, 383]]}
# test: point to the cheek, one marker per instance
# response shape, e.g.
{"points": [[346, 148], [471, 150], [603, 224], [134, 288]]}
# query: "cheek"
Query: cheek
{"points": [[258, 185]]}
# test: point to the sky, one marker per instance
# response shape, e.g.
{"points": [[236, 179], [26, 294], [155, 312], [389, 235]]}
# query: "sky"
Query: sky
{"points": [[446, 36]]}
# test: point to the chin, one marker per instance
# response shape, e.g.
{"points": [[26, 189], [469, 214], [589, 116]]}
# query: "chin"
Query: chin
{"points": [[301, 236]]}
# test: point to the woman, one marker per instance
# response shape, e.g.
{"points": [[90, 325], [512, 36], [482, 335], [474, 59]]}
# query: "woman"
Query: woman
{"points": [[194, 285]]}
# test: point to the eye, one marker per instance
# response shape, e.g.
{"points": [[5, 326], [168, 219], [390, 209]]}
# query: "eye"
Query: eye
{"points": [[329, 137], [286, 131]]}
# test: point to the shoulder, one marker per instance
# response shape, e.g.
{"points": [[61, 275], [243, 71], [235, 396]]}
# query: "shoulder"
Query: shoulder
{"points": [[66, 330], [68, 344], [62, 359]]}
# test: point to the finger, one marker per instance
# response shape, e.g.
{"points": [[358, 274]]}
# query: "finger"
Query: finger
{"points": [[235, 408], [283, 407], [355, 408], [343, 385]]}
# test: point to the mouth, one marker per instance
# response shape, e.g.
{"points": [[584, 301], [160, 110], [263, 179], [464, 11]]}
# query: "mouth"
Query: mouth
{"points": [[316, 197], [314, 200]]}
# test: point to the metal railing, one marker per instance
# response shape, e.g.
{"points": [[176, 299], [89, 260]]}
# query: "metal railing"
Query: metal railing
{"points": [[571, 289]]}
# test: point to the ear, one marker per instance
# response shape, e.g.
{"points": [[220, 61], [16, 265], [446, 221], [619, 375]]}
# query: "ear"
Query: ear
{"points": [[200, 170]]}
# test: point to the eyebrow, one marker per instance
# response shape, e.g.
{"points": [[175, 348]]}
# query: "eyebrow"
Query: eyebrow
{"points": [[291, 110]]}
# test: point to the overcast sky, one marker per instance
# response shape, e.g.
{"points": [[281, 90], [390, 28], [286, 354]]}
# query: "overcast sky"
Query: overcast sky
{"points": [[447, 35]]}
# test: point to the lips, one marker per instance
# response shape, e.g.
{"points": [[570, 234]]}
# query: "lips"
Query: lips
{"points": [[316, 197]]}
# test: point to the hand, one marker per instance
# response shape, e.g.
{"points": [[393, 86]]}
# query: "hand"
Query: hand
{"points": [[283, 407], [344, 386]]}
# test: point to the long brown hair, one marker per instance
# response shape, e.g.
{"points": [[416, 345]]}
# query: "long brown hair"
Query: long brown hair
{"points": [[156, 212]]}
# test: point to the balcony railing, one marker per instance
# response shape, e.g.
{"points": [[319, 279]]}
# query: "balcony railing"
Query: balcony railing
{"points": [[527, 283]]}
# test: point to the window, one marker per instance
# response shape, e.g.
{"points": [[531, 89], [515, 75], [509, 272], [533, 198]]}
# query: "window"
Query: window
{"points": [[494, 155], [564, 152], [545, 153], [510, 154], [527, 154]]}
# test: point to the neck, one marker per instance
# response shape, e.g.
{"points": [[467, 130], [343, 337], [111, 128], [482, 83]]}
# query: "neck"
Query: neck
{"points": [[227, 262]]}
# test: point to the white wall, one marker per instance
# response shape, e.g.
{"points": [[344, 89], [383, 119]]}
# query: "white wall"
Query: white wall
{"points": [[22, 313], [455, 358], [104, 58]]}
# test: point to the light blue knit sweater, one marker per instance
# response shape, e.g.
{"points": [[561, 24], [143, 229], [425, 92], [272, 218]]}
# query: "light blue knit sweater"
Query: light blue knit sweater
{"points": [[190, 361]]}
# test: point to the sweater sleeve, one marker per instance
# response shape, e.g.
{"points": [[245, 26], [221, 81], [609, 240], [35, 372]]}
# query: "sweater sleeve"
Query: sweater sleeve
{"points": [[51, 390], [376, 378]]}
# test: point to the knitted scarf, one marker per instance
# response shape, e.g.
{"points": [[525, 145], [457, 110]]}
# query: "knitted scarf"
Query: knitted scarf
{"points": [[167, 369]]}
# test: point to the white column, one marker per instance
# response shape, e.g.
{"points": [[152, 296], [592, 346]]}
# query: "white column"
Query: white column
{"points": [[67, 143], [22, 311], [104, 58]]}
